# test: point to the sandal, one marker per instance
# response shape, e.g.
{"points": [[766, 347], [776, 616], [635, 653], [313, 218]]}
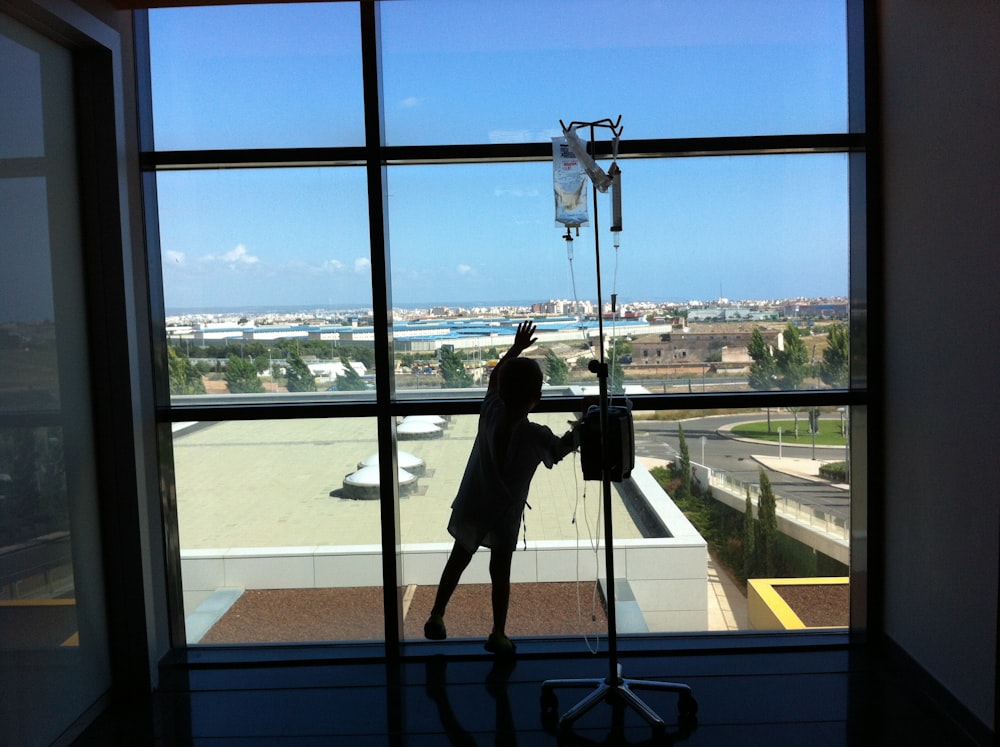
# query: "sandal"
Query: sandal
{"points": [[500, 645], [434, 629]]}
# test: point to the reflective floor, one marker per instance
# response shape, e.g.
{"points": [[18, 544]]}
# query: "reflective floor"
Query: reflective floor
{"points": [[789, 696]]}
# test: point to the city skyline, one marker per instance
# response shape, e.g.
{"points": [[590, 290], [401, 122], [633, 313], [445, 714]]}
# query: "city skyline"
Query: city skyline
{"points": [[502, 306]]}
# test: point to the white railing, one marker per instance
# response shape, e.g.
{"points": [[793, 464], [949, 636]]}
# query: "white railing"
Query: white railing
{"points": [[819, 529]]}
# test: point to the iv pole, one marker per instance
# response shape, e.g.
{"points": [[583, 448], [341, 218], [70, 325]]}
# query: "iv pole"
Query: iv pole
{"points": [[614, 688]]}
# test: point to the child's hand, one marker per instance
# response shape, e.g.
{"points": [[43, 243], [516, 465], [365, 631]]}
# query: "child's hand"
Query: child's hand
{"points": [[523, 338]]}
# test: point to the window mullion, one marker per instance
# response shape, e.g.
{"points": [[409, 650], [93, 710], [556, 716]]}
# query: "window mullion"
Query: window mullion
{"points": [[382, 313]]}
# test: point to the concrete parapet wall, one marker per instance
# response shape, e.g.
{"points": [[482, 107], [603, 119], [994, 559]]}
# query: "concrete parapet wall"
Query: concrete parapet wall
{"points": [[667, 574]]}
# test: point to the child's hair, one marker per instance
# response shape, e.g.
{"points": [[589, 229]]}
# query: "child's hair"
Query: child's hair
{"points": [[520, 382]]}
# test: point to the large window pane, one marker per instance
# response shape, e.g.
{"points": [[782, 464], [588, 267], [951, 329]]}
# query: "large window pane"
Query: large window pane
{"points": [[459, 72], [712, 248], [257, 76], [732, 275], [279, 527], [53, 626], [267, 280], [553, 568], [684, 560], [798, 483]]}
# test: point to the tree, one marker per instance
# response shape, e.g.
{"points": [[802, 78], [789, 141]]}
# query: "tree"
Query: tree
{"points": [[259, 354], [556, 369], [453, 369], [792, 365], [241, 376], [298, 377], [349, 380], [684, 491], [835, 368], [762, 370], [766, 539], [184, 377], [360, 353], [749, 545], [616, 372], [792, 360]]}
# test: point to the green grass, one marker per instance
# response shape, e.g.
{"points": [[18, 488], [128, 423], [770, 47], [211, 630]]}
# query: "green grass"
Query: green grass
{"points": [[829, 431]]}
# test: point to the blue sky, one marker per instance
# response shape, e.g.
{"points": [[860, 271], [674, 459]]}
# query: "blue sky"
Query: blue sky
{"points": [[460, 72]]}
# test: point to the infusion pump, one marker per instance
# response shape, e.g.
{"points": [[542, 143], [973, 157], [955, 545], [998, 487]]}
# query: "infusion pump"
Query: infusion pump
{"points": [[619, 449]]}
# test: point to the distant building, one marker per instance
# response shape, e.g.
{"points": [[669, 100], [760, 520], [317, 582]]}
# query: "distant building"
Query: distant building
{"points": [[562, 306], [816, 311], [672, 348], [731, 314]]}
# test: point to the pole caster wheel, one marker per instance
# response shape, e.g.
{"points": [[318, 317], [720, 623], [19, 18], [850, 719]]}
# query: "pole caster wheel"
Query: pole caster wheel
{"points": [[550, 711], [687, 706], [549, 702]]}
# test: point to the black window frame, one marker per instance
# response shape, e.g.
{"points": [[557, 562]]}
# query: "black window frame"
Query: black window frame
{"points": [[386, 407]]}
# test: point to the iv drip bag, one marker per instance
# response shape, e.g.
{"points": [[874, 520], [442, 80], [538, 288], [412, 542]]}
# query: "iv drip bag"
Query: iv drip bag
{"points": [[569, 185]]}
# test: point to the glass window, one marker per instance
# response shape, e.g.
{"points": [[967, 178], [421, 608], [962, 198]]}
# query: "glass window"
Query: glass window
{"points": [[731, 275], [267, 281], [711, 250], [274, 506], [553, 568], [257, 76], [53, 624], [458, 72], [792, 468], [687, 555]]}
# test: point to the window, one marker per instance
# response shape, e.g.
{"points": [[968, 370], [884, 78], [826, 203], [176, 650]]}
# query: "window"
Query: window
{"points": [[52, 600], [460, 73], [335, 298], [274, 79]]}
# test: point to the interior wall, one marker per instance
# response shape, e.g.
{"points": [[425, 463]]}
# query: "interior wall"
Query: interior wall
{"points": [[940, 115]]}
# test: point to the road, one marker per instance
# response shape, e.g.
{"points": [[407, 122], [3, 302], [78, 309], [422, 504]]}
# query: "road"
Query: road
{"points": [[658, 440]]}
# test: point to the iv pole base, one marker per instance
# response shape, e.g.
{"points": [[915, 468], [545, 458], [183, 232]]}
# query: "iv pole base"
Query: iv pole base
{"points": [[620, 692]]}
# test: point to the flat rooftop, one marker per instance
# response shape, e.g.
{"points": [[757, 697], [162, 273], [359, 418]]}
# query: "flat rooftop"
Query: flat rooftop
{"points": [[279, 483]]}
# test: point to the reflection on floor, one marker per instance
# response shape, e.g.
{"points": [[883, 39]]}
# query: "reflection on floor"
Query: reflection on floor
{"points": [[831, 695]]}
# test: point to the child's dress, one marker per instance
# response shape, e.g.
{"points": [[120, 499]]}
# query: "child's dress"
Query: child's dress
{"points": [[494, 490]]}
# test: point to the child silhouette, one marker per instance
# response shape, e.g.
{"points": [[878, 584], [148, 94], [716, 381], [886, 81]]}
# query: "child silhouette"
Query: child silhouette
{"points": [[494, 490]]}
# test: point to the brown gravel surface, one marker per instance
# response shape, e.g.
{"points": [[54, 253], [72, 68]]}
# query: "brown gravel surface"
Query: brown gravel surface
{"points": [[818, 605], [535, 609], [355, 614]]}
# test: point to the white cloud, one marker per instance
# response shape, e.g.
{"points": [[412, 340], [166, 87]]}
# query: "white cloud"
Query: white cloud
{"points": [[175, 257], [411, 101], [333, 265], [510, 136], [515, 192], [239, 256], [235, 258], [465, 270], [362, 265], [524, 136]]}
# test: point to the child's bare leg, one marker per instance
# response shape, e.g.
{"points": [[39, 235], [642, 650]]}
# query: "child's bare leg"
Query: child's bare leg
{"points": [[458, 561], [500, 578]]}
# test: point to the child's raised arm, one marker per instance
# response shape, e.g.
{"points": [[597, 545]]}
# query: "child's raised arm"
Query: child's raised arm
{"points": [[523, 339]]}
